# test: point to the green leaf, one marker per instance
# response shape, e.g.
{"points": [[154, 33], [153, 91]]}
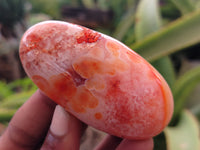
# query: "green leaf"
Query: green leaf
{"points": [[25, 84], [159, 142], [50, 8], [9, 106], [131, 3], [36, 18], [6, 114], [183, 87], [115, 5], [125, 23], [102, 4], [196, 111], [147, 18], [184, 136], [4, 90], [194, 98], [169, 11], [179, 34], [185, 6], [89, 3], [197, 4], [129, 37], [16, 100]]}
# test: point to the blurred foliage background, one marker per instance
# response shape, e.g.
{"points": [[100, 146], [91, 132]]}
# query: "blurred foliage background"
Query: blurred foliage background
{"points": [[165, 32]]}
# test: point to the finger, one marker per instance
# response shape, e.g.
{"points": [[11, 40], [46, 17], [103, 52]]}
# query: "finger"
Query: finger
{"points": [[29, 125], [65, 132], [109, 143], [136, 145]]}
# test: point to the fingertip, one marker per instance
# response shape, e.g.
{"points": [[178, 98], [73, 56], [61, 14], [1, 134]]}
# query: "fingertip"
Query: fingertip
{"points": [[60, 123], [110, 142], [42, 97], [136, 144], [65, 131]]}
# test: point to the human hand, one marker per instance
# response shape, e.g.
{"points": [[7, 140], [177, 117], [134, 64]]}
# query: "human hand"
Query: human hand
{"points": [[40, 124]]}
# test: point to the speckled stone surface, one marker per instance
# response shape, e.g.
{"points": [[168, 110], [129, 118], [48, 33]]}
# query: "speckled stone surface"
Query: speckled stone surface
{"points": [[97, 79]]}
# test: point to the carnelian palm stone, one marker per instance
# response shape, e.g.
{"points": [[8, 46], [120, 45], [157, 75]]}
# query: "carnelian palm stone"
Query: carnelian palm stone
{"points": [[97, 79]]}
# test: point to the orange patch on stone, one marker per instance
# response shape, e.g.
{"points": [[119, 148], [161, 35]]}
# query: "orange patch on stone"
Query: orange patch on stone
{"points": [[62, 89], [41, 82], [76, 107], [48, 89], [113, 47], [64, 85], [83, 100], [98, 116], [59, 88], [88, 67]]}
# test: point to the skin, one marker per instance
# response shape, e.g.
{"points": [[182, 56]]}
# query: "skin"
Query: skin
{"points": [[42, 127]]}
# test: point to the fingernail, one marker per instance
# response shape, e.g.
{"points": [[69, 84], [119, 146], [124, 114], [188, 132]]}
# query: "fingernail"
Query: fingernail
{"points": [[60, 123]]}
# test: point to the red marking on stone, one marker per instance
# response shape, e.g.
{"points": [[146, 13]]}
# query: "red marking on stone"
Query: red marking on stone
{"points": [[118, 99], [28, 65], [88, 36], [98, 115], [32, 42], [35, 41]]}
